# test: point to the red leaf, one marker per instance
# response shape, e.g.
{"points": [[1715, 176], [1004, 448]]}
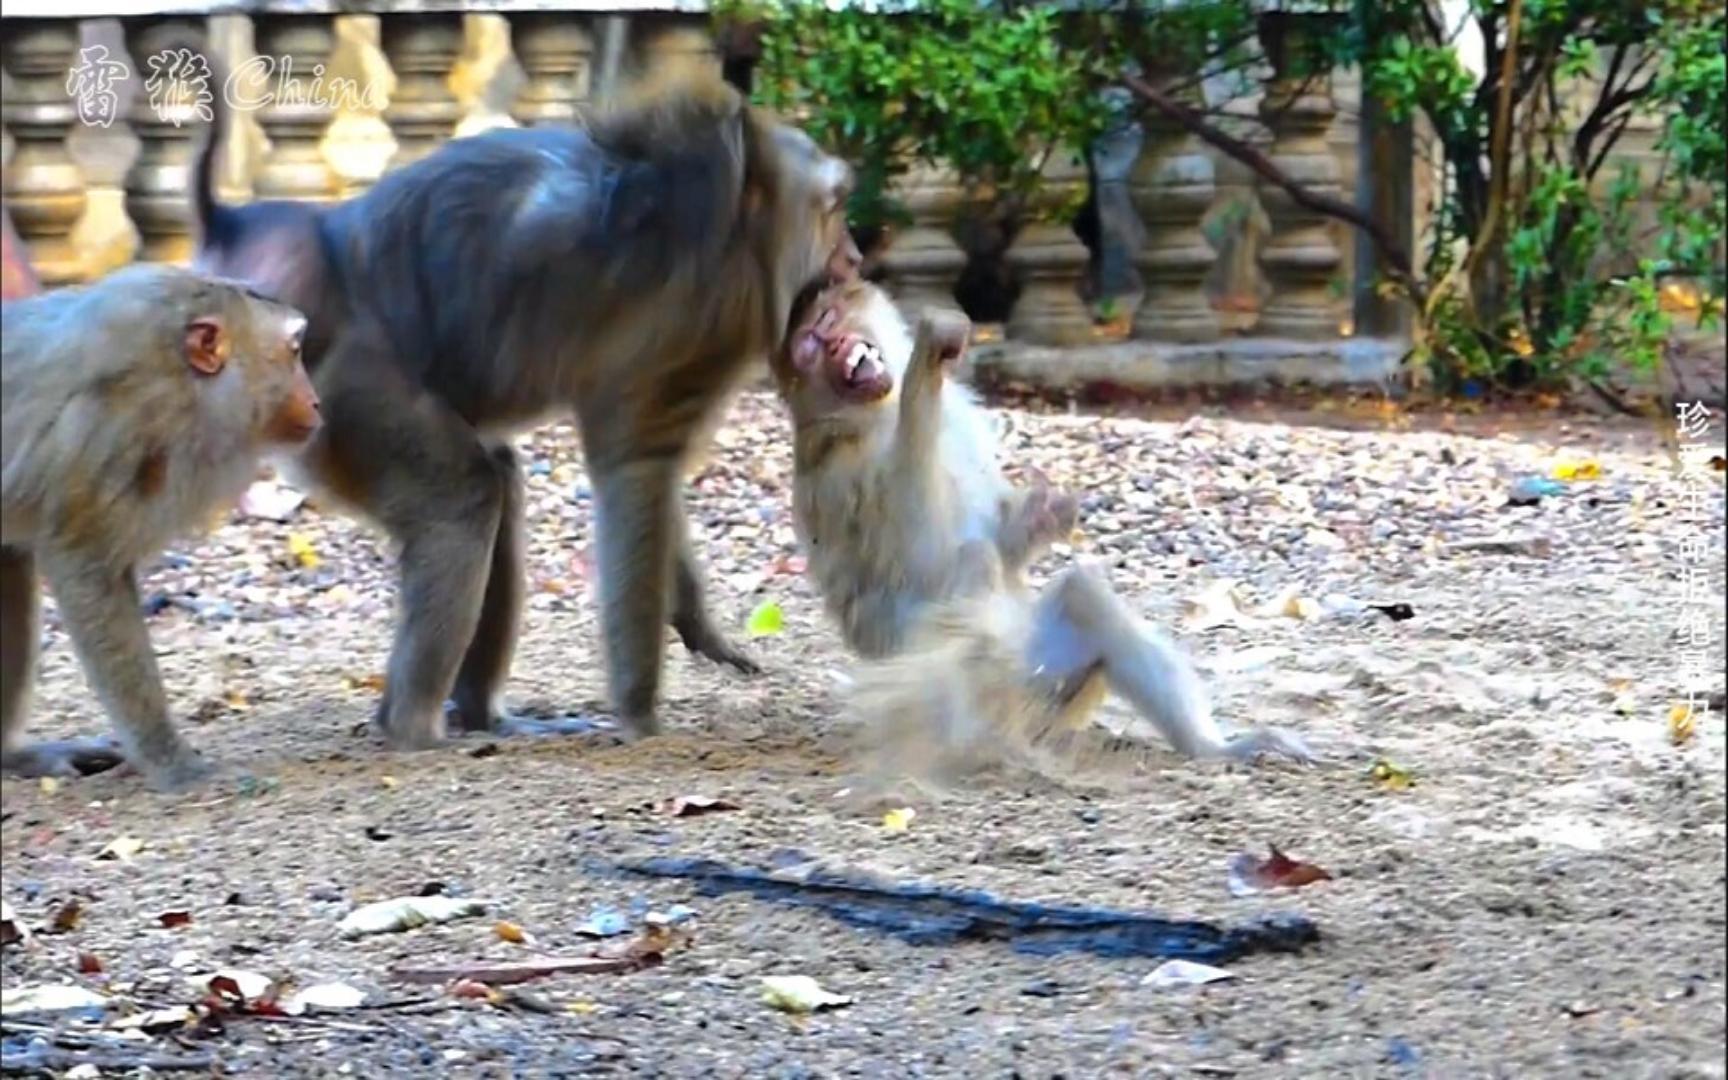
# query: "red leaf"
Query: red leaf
{"points": [[88, 964], [1279, 869], [174, 919], [224, 990]]}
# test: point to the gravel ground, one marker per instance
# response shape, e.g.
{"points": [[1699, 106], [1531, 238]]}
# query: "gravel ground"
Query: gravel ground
{"points": [[1546, 898]]}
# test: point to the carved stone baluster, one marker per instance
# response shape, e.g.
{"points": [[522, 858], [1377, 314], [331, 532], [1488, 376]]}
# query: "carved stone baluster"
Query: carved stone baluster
{"points": [[557, 53], [44, 186], [422, 50], [1051, 261], [1300, 256], [1120, 234], [296, 111], [168, 113], [1173, 185], [672, 43], [923, 262]]}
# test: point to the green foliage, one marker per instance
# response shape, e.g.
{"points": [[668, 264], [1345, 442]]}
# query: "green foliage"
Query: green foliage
{"points": [[989, 89], [1563, 264], [1565, 274]]}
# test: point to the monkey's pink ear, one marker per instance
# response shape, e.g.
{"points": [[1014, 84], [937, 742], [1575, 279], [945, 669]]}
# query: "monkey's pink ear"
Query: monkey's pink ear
{"points": [[206, 345]]}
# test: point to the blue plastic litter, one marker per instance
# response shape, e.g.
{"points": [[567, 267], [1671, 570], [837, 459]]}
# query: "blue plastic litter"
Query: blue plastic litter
{"points": [[936, 915]]}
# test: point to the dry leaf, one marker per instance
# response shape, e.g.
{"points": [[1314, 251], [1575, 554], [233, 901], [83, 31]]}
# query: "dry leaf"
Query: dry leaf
{"points": [[1682, 724], [1577, 470], [66, 918], [235, 985], [156, 1021], [330, 995], [1248, 874], [509, 931], [374, 682], [89, 964], [173, 920], [267, 500], [799, 994], [53, 998], [1391, 776], [695, 806], [300, 547], [12, 931], [898, 820], [49, 784], [475, 991], [1220, 604], [121, 848], [1178, 973], [408, 912], [388, 782]]}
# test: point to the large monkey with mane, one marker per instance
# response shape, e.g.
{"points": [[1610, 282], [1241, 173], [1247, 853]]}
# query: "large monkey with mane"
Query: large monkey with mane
{"points": [[627, 272]]}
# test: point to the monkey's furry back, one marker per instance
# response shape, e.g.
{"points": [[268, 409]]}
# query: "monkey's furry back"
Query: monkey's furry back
{"points": [[82, 372]]}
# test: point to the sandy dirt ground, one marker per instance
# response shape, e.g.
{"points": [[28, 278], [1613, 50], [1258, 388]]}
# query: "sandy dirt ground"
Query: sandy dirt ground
{"points": [[1545, 898]]}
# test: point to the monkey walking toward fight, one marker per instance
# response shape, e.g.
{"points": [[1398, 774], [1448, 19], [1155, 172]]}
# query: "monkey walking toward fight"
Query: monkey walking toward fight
{"points": [[918, 544], [627, 271], [133, 408]]}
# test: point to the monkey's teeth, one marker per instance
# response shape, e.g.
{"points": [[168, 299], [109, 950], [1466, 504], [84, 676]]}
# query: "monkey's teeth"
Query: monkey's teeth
{"points": [[860, 352]]}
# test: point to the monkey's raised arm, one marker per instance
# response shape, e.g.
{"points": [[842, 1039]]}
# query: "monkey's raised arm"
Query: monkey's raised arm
{"points": [[940, 341]]}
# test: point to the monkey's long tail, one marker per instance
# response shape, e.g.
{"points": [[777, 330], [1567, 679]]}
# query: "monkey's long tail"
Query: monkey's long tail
{"points": [[205, 208]]}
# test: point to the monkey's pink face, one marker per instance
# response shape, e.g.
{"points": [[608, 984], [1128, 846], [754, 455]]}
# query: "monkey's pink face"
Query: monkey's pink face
{"points": [[826, 346]]}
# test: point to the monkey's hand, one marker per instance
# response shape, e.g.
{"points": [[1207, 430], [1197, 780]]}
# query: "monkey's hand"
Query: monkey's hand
{"points": [[1032, 519], [941, 339]]}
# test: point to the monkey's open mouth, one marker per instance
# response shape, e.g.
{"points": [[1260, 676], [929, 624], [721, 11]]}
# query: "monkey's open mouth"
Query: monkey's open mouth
{"points": [[856, 370]]}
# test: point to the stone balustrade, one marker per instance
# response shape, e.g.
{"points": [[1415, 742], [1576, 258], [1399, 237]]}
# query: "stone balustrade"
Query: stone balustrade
{"points": [[101, 128]]}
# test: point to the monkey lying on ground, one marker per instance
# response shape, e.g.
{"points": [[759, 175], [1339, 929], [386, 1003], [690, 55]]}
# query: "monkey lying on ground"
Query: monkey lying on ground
{"points": [[133, 408], [628, 271], [918, 545]]}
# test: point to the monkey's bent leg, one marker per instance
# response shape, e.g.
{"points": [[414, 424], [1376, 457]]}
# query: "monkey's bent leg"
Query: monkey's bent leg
{"points": [[635, 501], [478, 693], [20, 635], [1080, 620], [99, 605]]}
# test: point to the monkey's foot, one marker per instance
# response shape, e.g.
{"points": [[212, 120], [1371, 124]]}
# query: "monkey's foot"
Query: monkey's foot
{"points": [[1276, 742], [180, 772], [63, 758], [705, 641]]}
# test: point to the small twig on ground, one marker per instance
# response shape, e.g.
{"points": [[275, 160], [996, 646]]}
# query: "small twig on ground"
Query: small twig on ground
{"points": [[1194, 505], [510, 973]]}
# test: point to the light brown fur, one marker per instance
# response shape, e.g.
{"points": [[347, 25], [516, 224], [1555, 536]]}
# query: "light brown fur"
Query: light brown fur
{"points": [[115, 443], [918, 545]]}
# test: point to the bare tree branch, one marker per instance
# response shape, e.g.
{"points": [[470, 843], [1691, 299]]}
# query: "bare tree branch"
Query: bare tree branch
{"points": [[1397, 259]]}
